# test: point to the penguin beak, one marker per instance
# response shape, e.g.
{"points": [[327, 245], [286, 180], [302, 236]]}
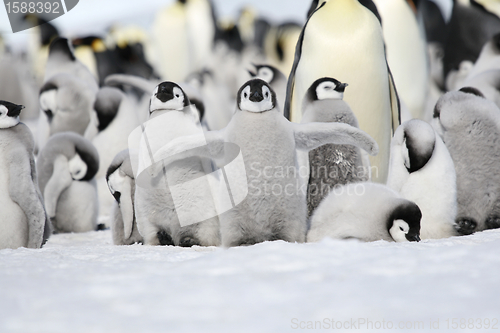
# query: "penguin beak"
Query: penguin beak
{"points": [[341, 87], [256, 96], [413, 238], [164, 96]]}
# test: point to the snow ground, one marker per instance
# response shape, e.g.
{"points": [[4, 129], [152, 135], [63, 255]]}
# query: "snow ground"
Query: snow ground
{"points": [[83, 283]]}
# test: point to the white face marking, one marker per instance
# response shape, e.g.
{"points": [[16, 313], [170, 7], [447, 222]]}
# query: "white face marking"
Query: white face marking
{"points": [[116, 181], [265, 105], [176, 103], [5, 120], [266, 74], [399, 230], [326, 90], [77, 167], [48, 100]]}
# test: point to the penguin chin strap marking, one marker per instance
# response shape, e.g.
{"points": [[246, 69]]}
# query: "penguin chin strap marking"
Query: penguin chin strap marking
{"points": [[257, 107], [8, 122], [171, 105]]}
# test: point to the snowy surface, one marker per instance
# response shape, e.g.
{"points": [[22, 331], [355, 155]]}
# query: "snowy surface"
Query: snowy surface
{"points": [[83, 283]]}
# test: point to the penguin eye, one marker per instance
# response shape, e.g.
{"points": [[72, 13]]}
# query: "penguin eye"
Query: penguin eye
{"points": [[245, 94], [267, 94], [177, 95], [400, 228]]}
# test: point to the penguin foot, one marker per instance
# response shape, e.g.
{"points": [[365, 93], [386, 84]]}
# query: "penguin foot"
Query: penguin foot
{"points": [[493, 222], [101, 226], [466, 226], [164, 238], [188, 241]]}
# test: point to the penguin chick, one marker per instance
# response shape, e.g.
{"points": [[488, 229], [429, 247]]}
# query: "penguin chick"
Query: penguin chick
{"points": [[470, 127], [368, 212], [66, 167], [121, 183], [22, 213], [421, 170], [275, 78], [171, 116], [331, 165]]}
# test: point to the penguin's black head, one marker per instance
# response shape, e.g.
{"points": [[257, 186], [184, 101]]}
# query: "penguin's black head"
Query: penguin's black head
{"points": [[404, 222], [61, 46], [168, 96], [267, 73], [256, 96], [11, 110], [418, 145], [472, 90], [326, 88]]}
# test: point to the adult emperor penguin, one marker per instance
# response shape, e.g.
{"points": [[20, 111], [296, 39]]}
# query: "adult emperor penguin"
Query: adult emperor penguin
{"points": [[421, 170], [22, 214], [117, 118], [62, 60], [331, 165], [66, 168], [406, 50], [470, 127], [121, 182], [275, 206], [384, 215], [171, 116], [343, 39], [274, 77]]}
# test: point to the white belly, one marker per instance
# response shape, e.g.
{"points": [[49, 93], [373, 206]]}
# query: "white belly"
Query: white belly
{"points": [[13, 221]]}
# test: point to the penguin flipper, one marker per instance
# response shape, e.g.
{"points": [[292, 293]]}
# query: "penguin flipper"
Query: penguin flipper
{"points": [[291, 78], [23, 191], [395, 104], [313, 135], [131, 80], [58, 182]]}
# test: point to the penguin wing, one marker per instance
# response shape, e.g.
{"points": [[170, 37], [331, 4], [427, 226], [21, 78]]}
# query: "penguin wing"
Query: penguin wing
{"points": [[291, 78], [23, 191], [395, 105], [131, 80], [313, 135], [58, 182]]}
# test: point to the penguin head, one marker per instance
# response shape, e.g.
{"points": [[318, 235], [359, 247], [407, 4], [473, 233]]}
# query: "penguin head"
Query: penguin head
{"points": [[114, 179], [77, 167], [403, 223], [48, 103], [267, 73], [107, 105], [61, 47], [256, 96], [168, 96], [326, 88], [9, 114], [419, 140]]}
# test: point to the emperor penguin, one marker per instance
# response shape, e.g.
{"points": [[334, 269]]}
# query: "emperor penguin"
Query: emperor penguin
{"points": [[158, 221], [274, 77], [470, 127], [421, 170], [368, 212], [117, 118], [22, 216], [343, 39], [121, 183], [274, 204], [62, 60], [66, 168], [330, 165], [406, 50]]}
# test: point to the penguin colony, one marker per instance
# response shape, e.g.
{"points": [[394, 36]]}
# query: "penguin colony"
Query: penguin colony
{"points": [[373, 120]]}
